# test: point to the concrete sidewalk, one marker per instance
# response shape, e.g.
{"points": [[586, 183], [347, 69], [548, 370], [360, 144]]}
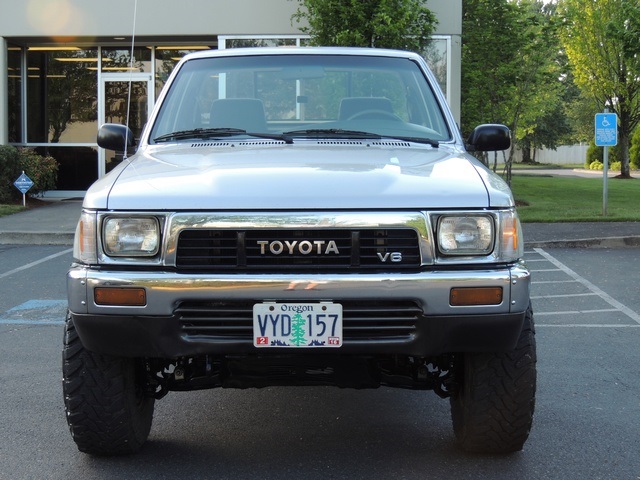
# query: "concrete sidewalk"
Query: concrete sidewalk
{"points": [[582, 234], [55, 224]]}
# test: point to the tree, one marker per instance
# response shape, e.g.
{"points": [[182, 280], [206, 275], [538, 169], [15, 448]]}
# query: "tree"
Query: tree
{"points": [[401, 24], [602, 41], [488, 53], [510, 71], [540, 87]]}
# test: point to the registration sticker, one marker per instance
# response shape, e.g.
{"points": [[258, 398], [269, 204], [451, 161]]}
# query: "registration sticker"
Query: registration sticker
{"points": [[297, 324]]}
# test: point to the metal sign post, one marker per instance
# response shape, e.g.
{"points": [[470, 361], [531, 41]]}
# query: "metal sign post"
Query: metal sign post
{"points": [[23, 183], [606, 129]]}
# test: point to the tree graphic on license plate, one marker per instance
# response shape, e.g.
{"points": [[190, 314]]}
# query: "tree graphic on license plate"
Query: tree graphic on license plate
{"points": [[297, 330]]}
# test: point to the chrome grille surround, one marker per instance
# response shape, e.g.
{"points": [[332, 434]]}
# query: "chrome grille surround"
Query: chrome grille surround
{"points": [[229, 240]]}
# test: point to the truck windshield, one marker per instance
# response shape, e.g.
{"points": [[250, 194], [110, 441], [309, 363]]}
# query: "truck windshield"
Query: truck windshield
{"points": [[302, 95]]}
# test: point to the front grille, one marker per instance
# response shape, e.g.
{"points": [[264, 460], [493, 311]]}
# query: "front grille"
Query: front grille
{"points": [[362, 320], [317, 250]]}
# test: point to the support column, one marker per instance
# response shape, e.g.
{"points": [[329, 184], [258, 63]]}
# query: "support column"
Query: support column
{"points": [[4, 93]]}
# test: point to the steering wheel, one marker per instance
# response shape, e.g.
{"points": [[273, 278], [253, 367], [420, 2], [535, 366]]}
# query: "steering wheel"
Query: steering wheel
{"points": [[375, 114]]}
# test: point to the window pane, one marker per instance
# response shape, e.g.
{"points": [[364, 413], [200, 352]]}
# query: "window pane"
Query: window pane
{"points": [[117, 94], [15, 94], [166, 59], [78, 166], [119, 60], [436, 56], [62, 95], [260, 42]]}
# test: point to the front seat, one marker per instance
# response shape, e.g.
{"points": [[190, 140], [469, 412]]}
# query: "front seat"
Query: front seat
{"points": [[244, 113]]}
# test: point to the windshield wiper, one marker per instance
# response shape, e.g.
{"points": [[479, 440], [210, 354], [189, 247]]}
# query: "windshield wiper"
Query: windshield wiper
{"points": [[332, 133], [207, 133], [338, 132], [427, 141]]}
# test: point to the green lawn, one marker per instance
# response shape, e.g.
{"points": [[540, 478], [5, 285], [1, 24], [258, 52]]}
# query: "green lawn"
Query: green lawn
{"points": [[9, 209], [571, 199], [541, 166], [555, 199]]}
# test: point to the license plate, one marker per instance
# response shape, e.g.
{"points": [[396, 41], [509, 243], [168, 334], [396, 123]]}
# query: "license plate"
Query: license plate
{"points": [[297, 325]]}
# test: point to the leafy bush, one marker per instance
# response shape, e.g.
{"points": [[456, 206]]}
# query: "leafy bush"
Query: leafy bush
{"points": [[634, 150], [43, 171], [595, 153], [9, 172], [596, 165]]}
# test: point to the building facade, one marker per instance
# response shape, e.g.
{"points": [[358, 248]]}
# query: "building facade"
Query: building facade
{"points": [[67, 66]]}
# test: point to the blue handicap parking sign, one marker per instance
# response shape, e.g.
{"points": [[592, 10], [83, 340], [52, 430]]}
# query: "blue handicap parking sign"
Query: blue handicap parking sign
{"points": [[606, 129]]}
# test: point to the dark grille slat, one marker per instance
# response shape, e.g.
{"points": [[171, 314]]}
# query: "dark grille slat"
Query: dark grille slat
{"points": [[309, 250], [392, 320], [233, 320], [374, 329], [217, 329], [213, 248], [220, 319], [215, 320]]}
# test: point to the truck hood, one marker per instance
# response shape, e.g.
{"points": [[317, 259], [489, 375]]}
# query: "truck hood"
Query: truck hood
{"points": [[328, 175]]}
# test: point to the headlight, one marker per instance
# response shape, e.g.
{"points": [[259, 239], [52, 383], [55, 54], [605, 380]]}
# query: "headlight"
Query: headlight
{"points": [[131, 236], [465, 234]]}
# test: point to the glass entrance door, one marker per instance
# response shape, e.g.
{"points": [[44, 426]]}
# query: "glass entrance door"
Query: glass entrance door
{"points": [[124, 96]]}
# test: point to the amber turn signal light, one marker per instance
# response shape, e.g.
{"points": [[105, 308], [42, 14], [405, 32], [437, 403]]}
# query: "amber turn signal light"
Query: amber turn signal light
{"points": [[462, 297], [118, 296]]}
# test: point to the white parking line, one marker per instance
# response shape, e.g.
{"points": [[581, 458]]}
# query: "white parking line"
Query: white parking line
{"points": [[37, 262], [565, 295], [586, 325], [603, 295], [45, 321], [577, 312], [36, 312], [541, 282]]}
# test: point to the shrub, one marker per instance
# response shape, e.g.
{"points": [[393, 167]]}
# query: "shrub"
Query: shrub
{"points": [[9, 172], [615, 166], [43, 171], [634, 150], [595, 153], [596, 165], [592, 155]]}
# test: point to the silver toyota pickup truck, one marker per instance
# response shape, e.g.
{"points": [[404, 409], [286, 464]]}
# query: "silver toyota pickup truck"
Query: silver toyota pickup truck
{"points": [[299, 217]]}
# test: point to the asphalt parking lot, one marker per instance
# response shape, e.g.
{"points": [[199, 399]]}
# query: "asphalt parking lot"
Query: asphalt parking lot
{"points": [[586, 423]]}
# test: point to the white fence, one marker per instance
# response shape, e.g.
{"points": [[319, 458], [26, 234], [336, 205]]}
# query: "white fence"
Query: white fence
{"points": [[566, 154]]}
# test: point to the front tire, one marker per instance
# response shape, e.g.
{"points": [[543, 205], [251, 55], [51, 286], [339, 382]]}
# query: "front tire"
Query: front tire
{"points": [[107, 410], [492, 411]]}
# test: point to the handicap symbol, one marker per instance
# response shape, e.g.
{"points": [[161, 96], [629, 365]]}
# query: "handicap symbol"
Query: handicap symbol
{"points": [[605, 122]]}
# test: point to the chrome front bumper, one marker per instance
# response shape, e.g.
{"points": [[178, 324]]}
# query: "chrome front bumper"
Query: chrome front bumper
{"points": [[165, 289], [151, 330]]}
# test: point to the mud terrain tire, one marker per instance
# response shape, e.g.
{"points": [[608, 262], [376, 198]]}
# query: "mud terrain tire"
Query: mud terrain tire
{"points": [[493, 409], [107, 411]]}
